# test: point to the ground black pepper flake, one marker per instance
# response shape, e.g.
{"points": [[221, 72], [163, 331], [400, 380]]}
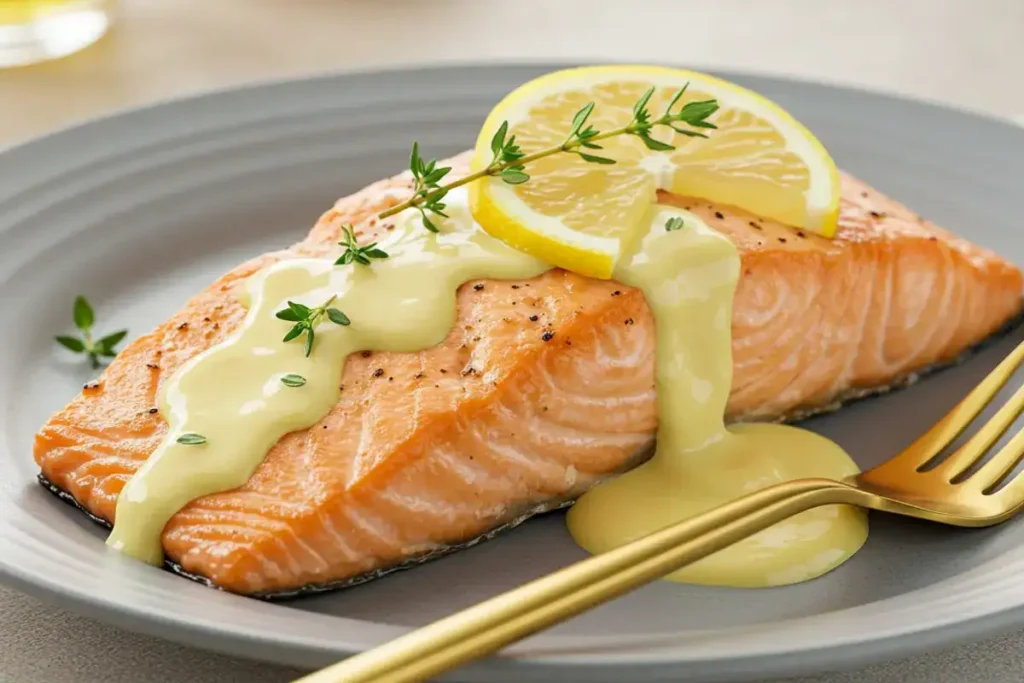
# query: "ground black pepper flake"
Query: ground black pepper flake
{"points": [[547, 336], [876, 214], [477, 338], [154, 411], [515, 286], [379, 372], [91, 385], [933, 238], [443, 371], [391, 379], [183, 326], [437, 386], [469, 371], [367, 354], [389, 226], [800, 233], [568, 342], [782, 239], [534, 318], [418, 375], [718, 215], [478, 287], [755, 226], [748, 271], [152, 366], [545, 409], [216, 326], [617, 292], [629, 321], [207, 319], [325, 426]]}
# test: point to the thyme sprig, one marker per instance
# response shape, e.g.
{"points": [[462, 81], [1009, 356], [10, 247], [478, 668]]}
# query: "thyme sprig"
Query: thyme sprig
{"points": [[356, 253], [509, 162], [84, 317], [306, 319], [673, 224]]}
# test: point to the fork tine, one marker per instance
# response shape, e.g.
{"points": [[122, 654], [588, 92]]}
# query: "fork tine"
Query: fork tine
{"points": [[979, 444], [946, 430], [1000, 465]]}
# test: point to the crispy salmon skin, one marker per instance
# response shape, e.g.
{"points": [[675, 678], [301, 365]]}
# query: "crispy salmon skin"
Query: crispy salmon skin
{"points": [[542, 388]]}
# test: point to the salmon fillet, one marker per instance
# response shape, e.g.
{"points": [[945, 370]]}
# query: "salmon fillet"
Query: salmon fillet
{"points": [[542, 388]]}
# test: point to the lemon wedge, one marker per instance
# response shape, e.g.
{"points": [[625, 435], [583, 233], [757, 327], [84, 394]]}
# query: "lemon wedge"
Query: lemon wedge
{"points": [[579, 215]]}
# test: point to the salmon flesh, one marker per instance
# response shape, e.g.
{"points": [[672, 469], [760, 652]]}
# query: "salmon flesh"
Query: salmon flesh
{"points": [[543, 388]]}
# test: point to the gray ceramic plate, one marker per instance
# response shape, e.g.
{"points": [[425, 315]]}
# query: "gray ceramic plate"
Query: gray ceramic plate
{"points": [[144, 208]]}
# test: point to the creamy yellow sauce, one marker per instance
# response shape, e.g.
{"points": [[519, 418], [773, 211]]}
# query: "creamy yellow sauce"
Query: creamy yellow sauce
{"points": [[233, 395], [689, 277]]}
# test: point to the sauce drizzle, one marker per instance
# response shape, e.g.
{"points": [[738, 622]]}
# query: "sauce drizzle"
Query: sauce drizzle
{"points": [[689, 277]]}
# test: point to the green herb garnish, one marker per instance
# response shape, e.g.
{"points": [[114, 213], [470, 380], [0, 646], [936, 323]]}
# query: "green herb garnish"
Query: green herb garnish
{"points": [[306, 319], [674, 223], [84, 318], [191, 439], [354, 253], [293, 380], [509, 161]]}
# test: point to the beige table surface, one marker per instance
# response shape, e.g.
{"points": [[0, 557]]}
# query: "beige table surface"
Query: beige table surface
{"points": [[965, 53]]}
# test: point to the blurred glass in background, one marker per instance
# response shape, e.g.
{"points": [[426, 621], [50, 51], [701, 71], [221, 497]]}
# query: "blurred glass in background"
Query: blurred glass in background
{"points": [[36, 30]]}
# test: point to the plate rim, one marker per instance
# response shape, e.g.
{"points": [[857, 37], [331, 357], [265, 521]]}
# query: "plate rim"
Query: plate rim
{"points": [[779, 661]]}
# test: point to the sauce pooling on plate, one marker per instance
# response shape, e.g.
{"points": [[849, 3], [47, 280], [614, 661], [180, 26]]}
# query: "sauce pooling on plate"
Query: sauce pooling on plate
{"points": [[688, 276], [242, 395]]}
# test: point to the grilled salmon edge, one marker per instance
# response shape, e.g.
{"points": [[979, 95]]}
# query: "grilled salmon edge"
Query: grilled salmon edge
{"points": [[525, 411]]}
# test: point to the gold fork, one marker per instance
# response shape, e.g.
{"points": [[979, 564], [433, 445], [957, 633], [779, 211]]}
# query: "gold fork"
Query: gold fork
{"points": [[958, 490]]}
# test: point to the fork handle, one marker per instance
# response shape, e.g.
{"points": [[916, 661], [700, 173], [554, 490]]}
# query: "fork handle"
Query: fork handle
{"points": [[490, 625]]}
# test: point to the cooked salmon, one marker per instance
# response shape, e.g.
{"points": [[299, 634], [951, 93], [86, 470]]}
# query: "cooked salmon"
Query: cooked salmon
{"points": [[542, 388]]}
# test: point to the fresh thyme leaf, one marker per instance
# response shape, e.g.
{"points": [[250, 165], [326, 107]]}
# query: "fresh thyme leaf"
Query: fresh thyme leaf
{"points": [[427, 223], [112, 340], [498, 141], [580, 118], [287, 314], [83, 314], [191, 439], [337, 317], [596, 159], [71, 343], [293, 380], [299, 309], [696, 113], [414, 159], [310, 333], [675, 98], [514, 177], [674, 223], [655, 145], [295, 331], [640, 107]]}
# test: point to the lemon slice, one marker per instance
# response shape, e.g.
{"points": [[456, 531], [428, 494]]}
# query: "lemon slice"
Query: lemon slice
{"points": [[578, 214]]}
